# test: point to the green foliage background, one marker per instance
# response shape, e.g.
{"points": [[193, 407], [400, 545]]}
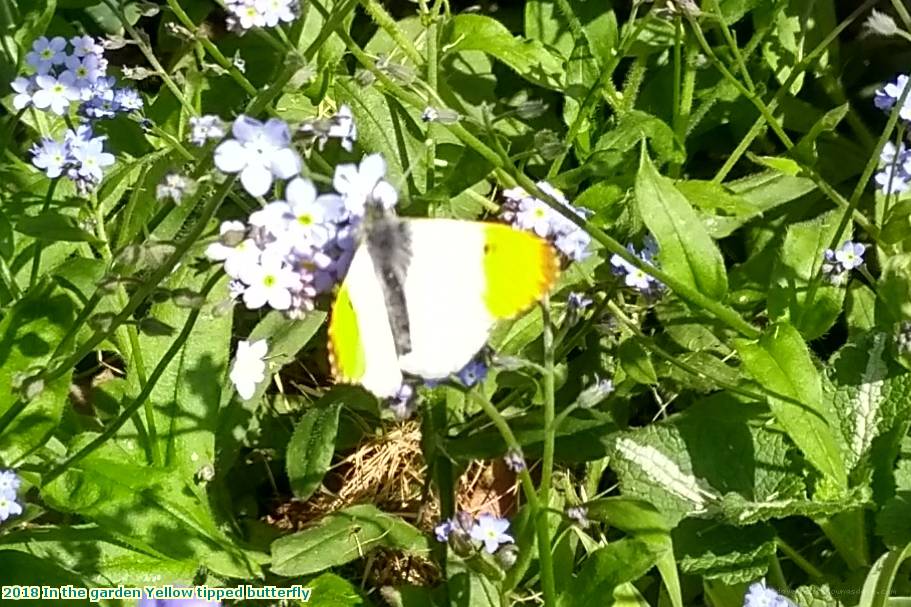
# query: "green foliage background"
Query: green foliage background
{"points": [[759, 418]]}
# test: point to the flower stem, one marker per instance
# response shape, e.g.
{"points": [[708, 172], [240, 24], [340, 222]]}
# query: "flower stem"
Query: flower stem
{"points": [[36, 258], [538, 514]]}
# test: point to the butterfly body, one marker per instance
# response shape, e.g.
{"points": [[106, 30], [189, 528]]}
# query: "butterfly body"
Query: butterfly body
{"points": [[421, 296]]}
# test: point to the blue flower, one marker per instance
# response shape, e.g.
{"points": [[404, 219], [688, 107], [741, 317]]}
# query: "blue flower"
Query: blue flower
{"points": [[45, 54], [204, 128], [637, 278], [442, 531], [526, 212], [403, 403], [886, 97], [759, 595], [9, 507], [514, 460], [838, 264], [128, 100], [473, 373], [260, 152]]}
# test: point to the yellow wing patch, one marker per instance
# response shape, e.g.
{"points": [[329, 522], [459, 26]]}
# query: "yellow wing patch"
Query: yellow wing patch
{"points": [[519, 267], [346, 352]]}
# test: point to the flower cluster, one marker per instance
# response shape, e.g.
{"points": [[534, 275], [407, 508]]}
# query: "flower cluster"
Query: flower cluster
{"points": [[72, 71], [299, 246], [9, 486], [246, 14], [249, 368], [80, 156], [895, 176], [760, 595], [529, 213], [637, 278], [486, 530], [838, 264]]}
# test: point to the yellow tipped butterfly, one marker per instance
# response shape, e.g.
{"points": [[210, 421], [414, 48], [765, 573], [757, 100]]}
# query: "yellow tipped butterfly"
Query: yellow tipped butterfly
{"points": [[421, 296]]}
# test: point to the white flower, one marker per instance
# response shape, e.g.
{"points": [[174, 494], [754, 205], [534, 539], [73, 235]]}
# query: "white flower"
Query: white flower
{"points": [[311, 215], [9, 483], [205, 128], [535, 215], [491, 530], [258, 152], [175, 186], [238, 259], [270, 281], [274, 11], [24, 88], [361, 184], [56, 93], [249, 368], [8, 507]]}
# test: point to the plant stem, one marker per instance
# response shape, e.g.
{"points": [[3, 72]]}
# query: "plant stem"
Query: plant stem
{"points": [[800, 561], [147, 52], [36, 258], [213, 50], [538, 514]]}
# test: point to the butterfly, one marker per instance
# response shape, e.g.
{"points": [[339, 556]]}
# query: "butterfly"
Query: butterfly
{"points": [[421, 296]]}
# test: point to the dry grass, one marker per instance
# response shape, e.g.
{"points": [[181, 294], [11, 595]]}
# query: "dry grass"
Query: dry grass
{"points": [[389, 472]]}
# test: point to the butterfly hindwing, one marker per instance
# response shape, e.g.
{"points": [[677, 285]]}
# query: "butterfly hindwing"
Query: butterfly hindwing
{"points": [[361, 345]]}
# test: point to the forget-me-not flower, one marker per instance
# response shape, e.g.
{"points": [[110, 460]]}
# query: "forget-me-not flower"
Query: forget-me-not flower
{"points": [[249, 368], [260, 152], [491, 531]]}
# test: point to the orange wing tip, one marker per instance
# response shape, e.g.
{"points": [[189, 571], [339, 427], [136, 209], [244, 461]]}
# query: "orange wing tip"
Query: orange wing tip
{"points": [[520, 269]]}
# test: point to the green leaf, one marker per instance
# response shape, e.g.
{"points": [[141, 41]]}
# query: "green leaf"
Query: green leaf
{"points": [[630, 130], [147, 508], [860, 306], [724, 552], [636, 362], [894, 289], [24, 569], [187, 397], [529, 58], [721, 209], [878, 586], [780, 362], [29, 333], [96, 555], [686, 252], [238, 421], [621, 561], [53, 226], [335, 591], [799, 261], [385, 126], [311, 448], [869, 393], [341, 537]]}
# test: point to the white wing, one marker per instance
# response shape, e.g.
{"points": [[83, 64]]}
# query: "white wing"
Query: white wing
{"points": [[444, 293], [382, 374]]}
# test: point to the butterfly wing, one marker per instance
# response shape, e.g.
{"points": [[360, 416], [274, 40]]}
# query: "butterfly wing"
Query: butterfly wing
{"points": [[361, 345], [462, 277]]}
